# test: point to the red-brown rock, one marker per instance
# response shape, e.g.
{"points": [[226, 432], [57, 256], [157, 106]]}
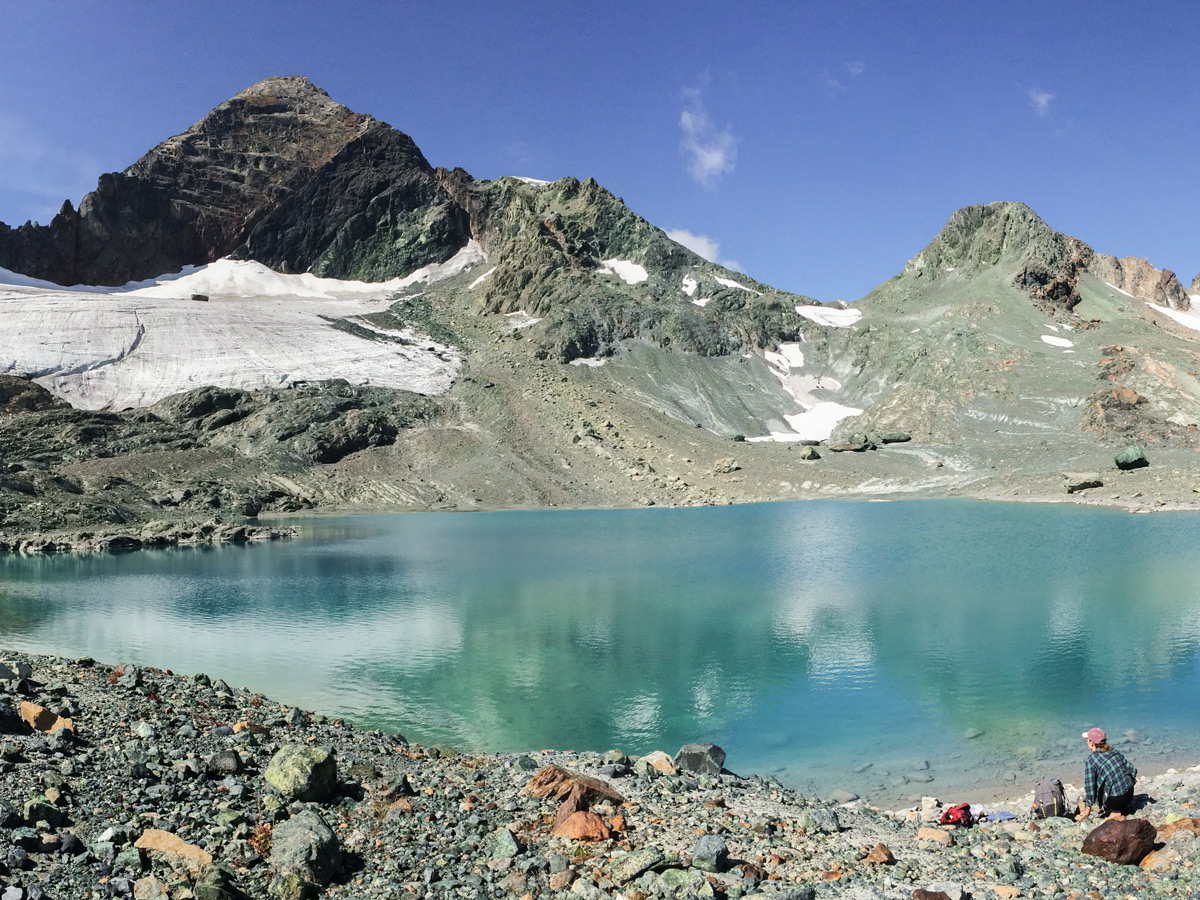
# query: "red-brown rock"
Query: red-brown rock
{"points": [[881, 854], [556, 782], [922, 894], [583, 826], [1124, 842]]}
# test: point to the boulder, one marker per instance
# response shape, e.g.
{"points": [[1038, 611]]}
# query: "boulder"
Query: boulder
{"points": [[174, 849], [1122, 841], [628, 867], [1075, 482], [657, 761], [217, 883], [821, 820], [703, 759], [809, 453], [710, 854], [305, 847], [500, 844], [556, 783], [894, 437], [1132, 457], [303, 772], [583, 826], [41, 719], [725, 466], [880, 854]]}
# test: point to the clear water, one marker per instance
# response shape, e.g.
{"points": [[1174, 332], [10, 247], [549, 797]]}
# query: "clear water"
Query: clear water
{"points": [[835, 645]]}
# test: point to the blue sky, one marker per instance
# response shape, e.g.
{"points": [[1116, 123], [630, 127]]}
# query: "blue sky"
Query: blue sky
{"points": [[815, 145]]}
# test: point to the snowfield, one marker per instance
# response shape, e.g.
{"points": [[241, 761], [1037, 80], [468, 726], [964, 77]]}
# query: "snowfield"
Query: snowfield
{"points": [[830, 316], [119, 348], [628, 271]]}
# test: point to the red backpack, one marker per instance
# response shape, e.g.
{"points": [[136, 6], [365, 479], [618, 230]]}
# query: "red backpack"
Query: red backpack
{"points": [[958, 815]]}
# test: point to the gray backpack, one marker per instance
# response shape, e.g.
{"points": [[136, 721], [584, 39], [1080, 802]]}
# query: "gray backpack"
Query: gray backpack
{"points": [[1049, 799]]}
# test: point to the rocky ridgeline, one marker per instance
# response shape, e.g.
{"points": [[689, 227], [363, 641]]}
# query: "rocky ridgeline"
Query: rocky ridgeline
{"points": [[135, 782]]}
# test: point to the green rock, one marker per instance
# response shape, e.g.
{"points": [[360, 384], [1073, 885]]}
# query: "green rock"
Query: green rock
{"points": [[501, 844], [230, 818], [1132, 457], [631, 865], [820, 819], [131, 859], [40, 810], [303, 772], [217, 883], [290, 886]]}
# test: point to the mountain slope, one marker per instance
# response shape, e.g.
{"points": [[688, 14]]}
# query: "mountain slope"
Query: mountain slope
{"points": [[520, 343]]}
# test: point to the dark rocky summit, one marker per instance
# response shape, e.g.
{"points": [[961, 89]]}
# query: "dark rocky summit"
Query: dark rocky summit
{"points": [[279, 170]]}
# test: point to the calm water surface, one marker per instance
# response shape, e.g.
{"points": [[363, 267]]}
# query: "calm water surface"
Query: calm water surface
{"points": [[832, 644]]}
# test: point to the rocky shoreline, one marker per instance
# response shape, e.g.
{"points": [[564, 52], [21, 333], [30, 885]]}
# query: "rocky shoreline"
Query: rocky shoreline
{"points": [[136, 782]]}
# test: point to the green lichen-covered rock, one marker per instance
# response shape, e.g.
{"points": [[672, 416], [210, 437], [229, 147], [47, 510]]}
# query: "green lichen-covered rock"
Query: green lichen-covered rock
{"points": [[1131, 457], [302, 772]]}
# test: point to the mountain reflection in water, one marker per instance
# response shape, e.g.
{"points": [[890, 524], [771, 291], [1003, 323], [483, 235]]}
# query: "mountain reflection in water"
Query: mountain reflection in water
{"points": [[810, 639]]}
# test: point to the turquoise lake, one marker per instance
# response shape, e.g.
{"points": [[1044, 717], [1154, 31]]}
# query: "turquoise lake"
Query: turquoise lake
{"points": [[864, 646]]}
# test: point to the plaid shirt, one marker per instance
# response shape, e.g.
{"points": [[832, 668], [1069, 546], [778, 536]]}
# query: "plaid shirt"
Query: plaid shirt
{"points": [[1106, 775]]}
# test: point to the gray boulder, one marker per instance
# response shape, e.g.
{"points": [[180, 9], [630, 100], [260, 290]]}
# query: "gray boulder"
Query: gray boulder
{"points": [[306, 848], [710, 854], [703, 759]]}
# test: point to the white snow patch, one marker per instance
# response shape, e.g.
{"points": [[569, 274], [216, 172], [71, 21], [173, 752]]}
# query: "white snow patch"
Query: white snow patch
{"points": [[729, 282], [689, 285], [1189, 320], [521, 319], [1052, 327], [1056, 341], [478, 281], [789, 357], [703, 301], [536, 182], [591, 362], [629, 272], [816, 424], [831, 316], [132, 346], [1120, 291]]}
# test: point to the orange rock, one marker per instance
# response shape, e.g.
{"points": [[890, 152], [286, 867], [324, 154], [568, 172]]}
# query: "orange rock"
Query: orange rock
{"points": [[1007, 891], [252, 727], [881, 854], [41, 719], [164, 842], [1161, 860], [583, 826], [617, 823], [1166, 832], [925, 833], [401, 806]]}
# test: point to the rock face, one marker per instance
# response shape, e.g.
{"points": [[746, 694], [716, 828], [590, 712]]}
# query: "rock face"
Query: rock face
{"points": [[280, 168], [1048, 263], [1142, 280], [1125, 842]]}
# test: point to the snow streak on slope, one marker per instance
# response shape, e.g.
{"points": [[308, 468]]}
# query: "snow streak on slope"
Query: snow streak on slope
{"points": [[130, 347]]}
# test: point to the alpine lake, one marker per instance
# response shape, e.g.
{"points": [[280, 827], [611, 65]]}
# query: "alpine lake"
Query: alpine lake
{"points": [[948, 648]]}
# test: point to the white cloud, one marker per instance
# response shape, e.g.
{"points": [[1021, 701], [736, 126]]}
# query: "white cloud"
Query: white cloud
{"points": [[704, 246], [1040, 100], [856, 68], [711, 154]]}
